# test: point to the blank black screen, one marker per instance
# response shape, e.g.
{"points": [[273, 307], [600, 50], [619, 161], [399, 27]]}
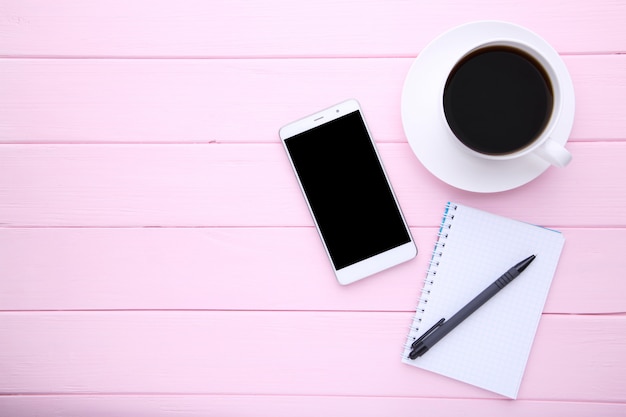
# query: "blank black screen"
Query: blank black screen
{"points": [[347, 190]]}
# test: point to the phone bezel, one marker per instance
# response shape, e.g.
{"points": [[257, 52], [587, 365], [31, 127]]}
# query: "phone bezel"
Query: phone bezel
{"points": [[373, 264]]}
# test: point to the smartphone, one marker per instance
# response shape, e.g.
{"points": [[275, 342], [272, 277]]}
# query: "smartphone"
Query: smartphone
{"points": [[347, 191]]}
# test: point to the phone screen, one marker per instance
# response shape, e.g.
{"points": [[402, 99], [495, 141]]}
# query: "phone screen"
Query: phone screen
{"points": [[347, 190]]}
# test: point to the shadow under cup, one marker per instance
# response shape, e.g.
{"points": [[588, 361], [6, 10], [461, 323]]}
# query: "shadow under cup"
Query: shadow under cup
{"points": [[498, 100]]}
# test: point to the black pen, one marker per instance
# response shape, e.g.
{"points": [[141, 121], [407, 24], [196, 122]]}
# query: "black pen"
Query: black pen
{"points": [[443, 327]]}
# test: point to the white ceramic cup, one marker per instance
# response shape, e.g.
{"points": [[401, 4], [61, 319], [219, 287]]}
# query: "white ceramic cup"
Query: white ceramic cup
{"points": [[542, 145]]}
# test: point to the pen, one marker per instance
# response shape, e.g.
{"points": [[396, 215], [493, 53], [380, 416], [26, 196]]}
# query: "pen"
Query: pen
{"points": [[443, 327]]}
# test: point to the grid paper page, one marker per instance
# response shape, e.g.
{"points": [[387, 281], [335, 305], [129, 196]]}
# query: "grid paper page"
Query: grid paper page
{"points": [[491, 347]]}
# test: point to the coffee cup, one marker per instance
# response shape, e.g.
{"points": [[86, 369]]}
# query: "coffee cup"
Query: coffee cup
{"points": [[502, 100]]}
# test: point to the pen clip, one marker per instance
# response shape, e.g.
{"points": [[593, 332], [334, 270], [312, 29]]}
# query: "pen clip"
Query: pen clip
{"points": [[425, 335]]}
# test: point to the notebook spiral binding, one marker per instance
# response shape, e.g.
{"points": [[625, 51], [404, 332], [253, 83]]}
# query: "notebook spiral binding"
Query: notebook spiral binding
{"points": [[438, 253]]}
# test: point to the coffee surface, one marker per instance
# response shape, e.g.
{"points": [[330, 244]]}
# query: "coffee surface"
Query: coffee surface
{"points": [[498, 100]]}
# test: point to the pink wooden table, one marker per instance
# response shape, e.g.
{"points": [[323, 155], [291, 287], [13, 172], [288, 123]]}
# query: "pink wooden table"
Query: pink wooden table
{"points": [[157, 257]]}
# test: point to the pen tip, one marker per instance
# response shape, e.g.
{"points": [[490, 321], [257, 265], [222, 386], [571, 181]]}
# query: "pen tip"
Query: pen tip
{"points": [[524, 264]]}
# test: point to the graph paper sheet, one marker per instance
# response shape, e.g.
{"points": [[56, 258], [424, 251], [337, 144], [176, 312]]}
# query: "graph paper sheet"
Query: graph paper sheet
{"points": [[491, 347]]}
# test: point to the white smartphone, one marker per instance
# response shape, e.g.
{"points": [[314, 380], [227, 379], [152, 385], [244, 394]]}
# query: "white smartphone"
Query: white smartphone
{"points": [[348, 193]]}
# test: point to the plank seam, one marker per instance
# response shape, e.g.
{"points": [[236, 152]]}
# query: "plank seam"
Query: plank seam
{"points": [[259, 57]]}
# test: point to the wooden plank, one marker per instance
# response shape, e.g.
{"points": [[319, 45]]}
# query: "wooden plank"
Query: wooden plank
{"points": [[574, 358], [229, 185], [177, 101], [225, 28], [233, 268], [289, 406]]}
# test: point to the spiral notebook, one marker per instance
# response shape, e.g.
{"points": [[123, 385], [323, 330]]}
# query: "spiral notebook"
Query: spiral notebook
{"points": [[491, 347]]}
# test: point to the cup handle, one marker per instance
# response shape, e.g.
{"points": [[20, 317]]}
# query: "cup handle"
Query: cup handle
{"points": [[553, 152]]}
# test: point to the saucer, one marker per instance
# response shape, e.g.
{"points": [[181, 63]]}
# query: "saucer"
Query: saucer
{"points": [[425, 127]]}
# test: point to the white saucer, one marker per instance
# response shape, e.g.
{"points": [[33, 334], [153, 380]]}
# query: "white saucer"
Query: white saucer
{"points": [[425, 128]]}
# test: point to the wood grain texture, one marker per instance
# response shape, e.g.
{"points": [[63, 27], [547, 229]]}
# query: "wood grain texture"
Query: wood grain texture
{"points": [[188, 101], [229, 185], [157, 258], [283, 353], [280, 28], [235, 268], [288, 406]]}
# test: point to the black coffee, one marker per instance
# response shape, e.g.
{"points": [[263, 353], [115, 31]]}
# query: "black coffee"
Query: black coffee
{"points": [[498, 100]]}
